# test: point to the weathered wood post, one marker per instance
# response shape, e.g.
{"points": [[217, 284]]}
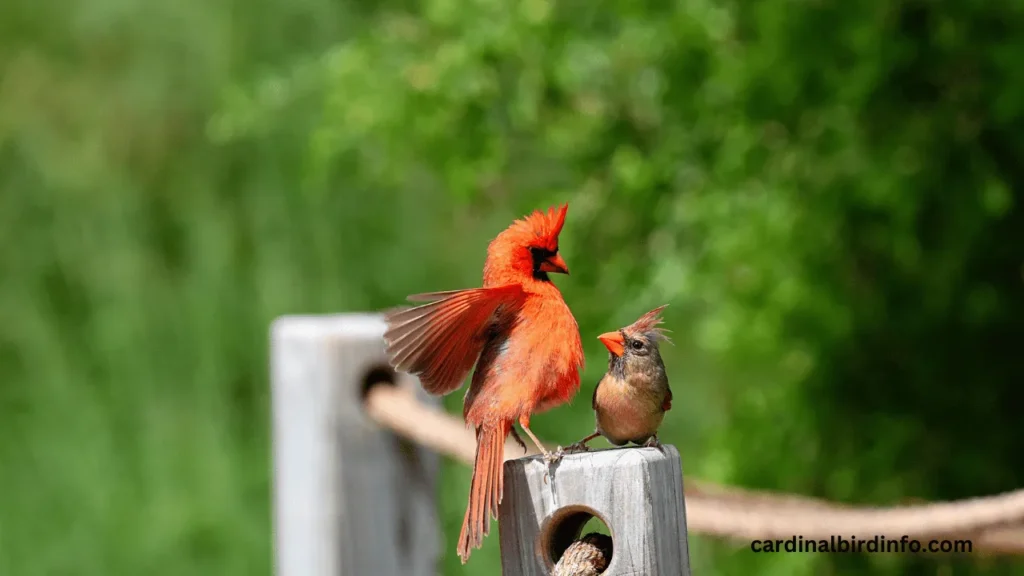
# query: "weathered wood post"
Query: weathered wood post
{"points": [[636, 492], [350, 499]]}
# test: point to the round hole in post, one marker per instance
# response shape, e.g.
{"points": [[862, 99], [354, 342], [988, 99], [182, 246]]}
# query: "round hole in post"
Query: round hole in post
{"points": [[566, 525], [382, 375]]}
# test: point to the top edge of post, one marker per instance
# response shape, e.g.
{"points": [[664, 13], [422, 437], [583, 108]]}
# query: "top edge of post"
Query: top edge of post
{"points": [[359, 325], [604, 458]]}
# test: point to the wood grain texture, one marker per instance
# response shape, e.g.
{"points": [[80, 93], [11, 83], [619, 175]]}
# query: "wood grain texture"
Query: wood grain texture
{"points": [[350, 499], [637, 492]]}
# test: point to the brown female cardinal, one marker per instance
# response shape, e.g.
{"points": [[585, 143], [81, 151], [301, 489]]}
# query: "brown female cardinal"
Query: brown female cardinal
{"points": [[522, 338], [631, 399]]}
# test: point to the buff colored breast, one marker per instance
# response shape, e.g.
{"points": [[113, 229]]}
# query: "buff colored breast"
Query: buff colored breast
{"points": [[627, 411]]}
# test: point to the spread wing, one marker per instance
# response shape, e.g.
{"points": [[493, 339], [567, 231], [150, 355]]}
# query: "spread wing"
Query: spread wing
{"points": [[440, 341]]}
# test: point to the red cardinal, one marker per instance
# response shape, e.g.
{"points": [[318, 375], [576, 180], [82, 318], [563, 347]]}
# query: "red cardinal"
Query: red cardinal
{"points": [[526, 340]]}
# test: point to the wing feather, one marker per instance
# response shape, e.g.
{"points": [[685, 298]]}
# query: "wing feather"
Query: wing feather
{"points": [[440, 341]]}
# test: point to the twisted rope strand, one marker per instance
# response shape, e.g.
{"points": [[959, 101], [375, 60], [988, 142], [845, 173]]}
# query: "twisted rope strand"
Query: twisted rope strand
{"points": [[994, 523]]}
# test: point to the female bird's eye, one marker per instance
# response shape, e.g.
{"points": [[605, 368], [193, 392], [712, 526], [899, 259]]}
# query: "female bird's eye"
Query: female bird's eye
{"points": [[636, 345]]}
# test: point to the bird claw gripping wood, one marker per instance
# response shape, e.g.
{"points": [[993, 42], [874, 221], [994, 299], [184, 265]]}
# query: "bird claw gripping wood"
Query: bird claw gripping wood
{"points": [[554, 456], [653, 442], [551, 458], [576, 447]]}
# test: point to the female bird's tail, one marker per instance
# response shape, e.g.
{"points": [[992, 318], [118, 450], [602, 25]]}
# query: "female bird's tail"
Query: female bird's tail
{"points": [[485, 490]]}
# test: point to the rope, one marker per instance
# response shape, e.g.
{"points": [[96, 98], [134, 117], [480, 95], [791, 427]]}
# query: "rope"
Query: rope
{"points": [[994, 524], [588, 556]]}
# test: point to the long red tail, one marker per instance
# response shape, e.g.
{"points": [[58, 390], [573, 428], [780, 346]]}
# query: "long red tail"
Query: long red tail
{"points": [[486, 486]]}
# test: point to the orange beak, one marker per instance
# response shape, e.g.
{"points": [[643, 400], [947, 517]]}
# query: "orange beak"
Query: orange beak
{"points": [[613, 342], [554, 264]]}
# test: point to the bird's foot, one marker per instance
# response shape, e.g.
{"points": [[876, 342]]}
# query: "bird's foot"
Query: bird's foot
{"points": [[518, 439], [554, 456], [653, 442], [577, 447], [581, 446], [550, 458]]}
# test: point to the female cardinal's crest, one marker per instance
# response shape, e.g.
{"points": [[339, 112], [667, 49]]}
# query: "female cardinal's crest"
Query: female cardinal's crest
{"points": [[648, 324]]}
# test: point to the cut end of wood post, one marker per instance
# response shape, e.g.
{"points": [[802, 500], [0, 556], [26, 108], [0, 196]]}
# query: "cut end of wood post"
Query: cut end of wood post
{"points": [[636, 492]]}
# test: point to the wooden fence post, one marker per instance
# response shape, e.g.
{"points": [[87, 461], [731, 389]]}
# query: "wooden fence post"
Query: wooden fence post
{"points": [[636, 492], [350, 499]]}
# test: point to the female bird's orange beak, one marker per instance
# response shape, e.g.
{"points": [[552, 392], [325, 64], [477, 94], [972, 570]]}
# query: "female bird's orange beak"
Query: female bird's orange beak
{"points": [[613, 342], [554, 264]]}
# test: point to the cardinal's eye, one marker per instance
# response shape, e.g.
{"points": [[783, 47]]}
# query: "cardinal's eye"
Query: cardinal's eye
{"points": [[636, 345]]}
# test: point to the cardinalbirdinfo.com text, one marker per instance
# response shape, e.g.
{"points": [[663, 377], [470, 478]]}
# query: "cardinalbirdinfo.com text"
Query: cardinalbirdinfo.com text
{"points": [[837, 543]]}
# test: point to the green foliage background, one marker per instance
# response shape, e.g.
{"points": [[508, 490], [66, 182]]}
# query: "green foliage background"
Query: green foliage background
{"points": [[827, 193]]}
